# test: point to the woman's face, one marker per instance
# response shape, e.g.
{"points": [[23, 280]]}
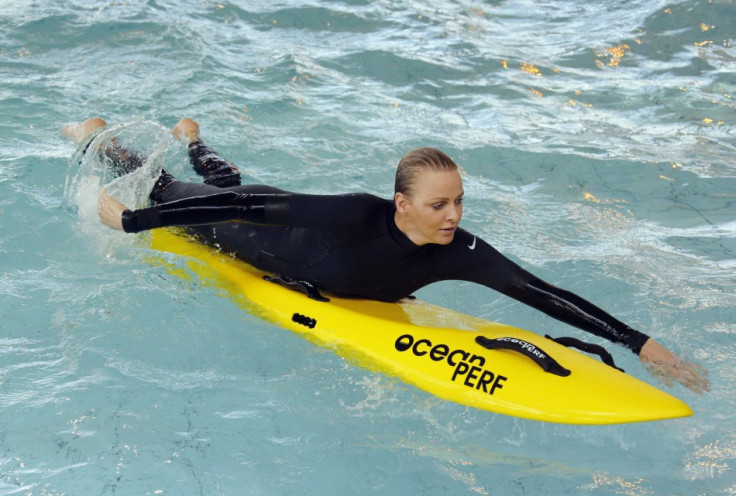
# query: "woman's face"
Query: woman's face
{"points": [[433, 211]]}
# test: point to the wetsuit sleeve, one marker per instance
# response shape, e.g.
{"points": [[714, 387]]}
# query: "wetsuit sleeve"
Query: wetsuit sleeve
{"points": [[505, 276], [272, 209], [226, 206], [574, 310]]}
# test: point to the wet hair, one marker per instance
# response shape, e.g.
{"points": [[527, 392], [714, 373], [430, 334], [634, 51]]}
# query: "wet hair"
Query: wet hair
{"points": [[417, 161]]}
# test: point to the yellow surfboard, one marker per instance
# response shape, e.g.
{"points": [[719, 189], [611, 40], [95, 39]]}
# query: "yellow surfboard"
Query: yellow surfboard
{"points": [[439, 350]]}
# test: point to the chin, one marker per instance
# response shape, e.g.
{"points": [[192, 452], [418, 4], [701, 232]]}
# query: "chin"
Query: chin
{"points": [[445, 240]]}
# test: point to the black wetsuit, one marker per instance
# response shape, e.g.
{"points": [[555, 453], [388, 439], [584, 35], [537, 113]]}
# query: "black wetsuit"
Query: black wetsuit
{"points": [[348, 244]]}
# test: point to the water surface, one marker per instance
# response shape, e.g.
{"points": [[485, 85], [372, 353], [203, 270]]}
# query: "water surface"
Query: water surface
{"points": [[597, 139]]}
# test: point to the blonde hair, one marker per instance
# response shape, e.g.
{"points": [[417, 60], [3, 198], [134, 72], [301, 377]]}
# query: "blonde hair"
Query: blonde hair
{"points": [[416, 161]]}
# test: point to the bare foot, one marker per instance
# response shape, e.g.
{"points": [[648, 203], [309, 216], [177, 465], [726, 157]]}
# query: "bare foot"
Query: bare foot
{"points": [[186, 128], [79, 130]]}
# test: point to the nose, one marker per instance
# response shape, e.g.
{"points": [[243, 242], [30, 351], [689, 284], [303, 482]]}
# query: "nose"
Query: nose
{"points": [[454, 213]]}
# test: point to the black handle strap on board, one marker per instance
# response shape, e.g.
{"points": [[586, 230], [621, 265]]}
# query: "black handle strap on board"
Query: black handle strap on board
{"points": [[540, 357], [305, 287], [593, 349]]}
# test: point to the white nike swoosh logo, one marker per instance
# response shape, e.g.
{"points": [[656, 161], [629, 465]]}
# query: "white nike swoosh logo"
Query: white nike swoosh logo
{"points": [[472, 245]]}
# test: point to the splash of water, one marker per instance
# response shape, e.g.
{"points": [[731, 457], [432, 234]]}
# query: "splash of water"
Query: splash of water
{"points": [[91, 168]]}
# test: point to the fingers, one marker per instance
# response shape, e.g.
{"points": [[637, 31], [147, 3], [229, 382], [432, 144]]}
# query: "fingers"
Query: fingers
{"points": [[690, 375], [660, 372], [696, 379], [668, 367]]}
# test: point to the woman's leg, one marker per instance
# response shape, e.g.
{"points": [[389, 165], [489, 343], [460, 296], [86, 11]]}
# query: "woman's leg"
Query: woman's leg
{"points": [[218, 173], [205, 161], [122, 161], [169, 189]]}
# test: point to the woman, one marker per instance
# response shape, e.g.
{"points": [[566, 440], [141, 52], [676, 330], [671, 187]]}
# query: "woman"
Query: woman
{"points": [[359, 245]]}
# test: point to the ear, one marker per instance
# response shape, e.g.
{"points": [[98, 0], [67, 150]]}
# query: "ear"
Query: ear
{"points": [[400, 200]]}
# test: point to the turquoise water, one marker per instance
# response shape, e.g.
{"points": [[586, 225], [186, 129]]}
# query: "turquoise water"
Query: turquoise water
{"points": [[597, 139]]}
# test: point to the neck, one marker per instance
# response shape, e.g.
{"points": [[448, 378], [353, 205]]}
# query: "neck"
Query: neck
{"points": [[405, 228]]}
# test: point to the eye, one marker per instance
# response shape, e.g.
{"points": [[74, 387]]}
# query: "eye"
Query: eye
{"points": [[437, 206], [459, 201]]}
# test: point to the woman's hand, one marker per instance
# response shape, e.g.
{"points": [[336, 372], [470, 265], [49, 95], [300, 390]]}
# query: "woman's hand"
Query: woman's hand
{"points": [[110, 211], [667, 366]]}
